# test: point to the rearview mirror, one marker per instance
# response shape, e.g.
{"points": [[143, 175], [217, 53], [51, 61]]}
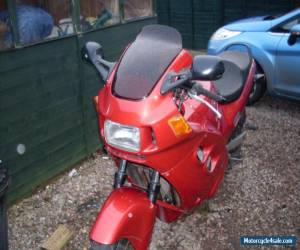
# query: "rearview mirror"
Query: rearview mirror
{"points": [[294, 34], [93, 53], [207, 68]]}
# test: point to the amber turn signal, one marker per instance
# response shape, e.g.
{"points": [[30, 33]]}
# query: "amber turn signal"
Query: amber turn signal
{"points": [[179, 125]]}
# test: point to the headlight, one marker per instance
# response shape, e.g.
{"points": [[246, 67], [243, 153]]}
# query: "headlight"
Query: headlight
{"points": [[222, 34], [121, 136]]}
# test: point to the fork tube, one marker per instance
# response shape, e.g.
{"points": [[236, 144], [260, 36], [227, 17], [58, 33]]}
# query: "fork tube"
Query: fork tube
{"points": [[154, 187], [120, 175]]}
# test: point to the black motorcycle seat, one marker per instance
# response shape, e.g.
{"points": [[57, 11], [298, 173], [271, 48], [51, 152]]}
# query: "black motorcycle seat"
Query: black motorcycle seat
{"points": [[237, 65]]}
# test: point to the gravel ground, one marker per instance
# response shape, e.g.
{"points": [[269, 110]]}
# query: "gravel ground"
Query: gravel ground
{"points": [[260, 194]]}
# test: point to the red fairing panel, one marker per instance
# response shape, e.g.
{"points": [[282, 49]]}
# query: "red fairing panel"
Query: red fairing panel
{"points": [[127, 213]]}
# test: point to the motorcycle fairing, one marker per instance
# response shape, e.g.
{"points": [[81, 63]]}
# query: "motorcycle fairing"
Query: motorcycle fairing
{"points": [[175, 158]]}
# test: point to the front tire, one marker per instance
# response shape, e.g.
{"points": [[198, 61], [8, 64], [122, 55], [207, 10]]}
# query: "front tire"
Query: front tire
{"points": [[123, 244], [259, 86]]}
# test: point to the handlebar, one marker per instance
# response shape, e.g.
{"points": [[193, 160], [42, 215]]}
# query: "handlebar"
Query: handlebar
{"points": [[199, 90], [170, 84], [183, 81]]}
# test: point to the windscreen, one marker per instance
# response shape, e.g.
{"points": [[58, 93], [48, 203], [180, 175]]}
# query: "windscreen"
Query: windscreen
{"points": [[145, 61]]}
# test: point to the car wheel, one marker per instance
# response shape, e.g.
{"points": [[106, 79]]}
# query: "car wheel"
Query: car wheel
{"points": [[259, 86], [123, 244]]}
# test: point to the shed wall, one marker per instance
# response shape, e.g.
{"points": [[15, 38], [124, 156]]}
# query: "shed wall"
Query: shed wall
{"points": [[46, 104]]}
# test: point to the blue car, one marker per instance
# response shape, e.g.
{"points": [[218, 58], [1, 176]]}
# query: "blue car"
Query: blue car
{"points": [[275, 44]]}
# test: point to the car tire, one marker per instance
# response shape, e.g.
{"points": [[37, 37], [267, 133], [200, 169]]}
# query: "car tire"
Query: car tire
{"points": [[123, 244], [259, 86]]}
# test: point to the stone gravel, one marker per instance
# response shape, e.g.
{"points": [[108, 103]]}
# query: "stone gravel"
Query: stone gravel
{"points": [[260, 194]]}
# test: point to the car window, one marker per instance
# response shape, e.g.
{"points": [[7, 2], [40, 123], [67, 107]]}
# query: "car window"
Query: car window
{"points": [[137, 8], [98, 13], [39, 20], [289, 25], [286, 27]]}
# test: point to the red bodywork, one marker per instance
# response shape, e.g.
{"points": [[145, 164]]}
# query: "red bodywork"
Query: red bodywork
{"points": [[126, 214], [175, 158]]}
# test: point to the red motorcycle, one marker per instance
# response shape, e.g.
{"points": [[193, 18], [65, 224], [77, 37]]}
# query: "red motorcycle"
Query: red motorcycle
{"points": [[169, 121]]}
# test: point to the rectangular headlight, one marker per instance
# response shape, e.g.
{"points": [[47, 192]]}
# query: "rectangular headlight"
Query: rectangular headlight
{"points": [[122, 136]]}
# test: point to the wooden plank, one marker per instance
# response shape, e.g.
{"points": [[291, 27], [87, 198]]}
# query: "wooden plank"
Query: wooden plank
{"points": [[45, 87], [61, 145], [41, 178], [27, 106], [57, 160], [43, 52], [58, 239], [24, 125], [41, 131]]}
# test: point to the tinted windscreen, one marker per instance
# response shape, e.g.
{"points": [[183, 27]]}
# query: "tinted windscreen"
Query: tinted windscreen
{"points": [[145, 61]]}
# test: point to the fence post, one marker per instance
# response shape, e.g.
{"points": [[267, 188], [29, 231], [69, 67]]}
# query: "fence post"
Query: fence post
{"points": [[3, 215], [12, 10], [193, 25], [222, 13]]}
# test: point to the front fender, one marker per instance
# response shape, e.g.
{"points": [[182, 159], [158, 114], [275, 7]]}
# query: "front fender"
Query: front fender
{"points": [[127, 213]]}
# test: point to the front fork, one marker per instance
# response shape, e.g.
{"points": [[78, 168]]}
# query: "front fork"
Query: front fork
{"points": [[128, 213], [153, 187]]}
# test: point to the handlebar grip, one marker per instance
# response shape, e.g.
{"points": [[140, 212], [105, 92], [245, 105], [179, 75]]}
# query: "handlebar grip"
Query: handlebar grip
{"points": [[201, 91]]}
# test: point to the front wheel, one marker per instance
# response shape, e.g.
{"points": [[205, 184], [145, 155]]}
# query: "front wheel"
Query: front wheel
{"points": [[123, 244], [259, 86]]}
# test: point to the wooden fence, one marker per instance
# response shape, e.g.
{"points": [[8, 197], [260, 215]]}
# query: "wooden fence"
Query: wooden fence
{"points": [[46, 104], [198, 19]]}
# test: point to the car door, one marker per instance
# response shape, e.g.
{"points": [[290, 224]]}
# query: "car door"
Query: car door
{"points": [[287, 63]]}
